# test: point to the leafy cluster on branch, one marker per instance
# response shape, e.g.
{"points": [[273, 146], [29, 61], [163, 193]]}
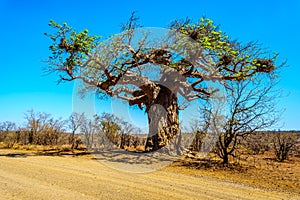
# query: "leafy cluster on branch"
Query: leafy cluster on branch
{"points": [[232, 59], [69, 47]]}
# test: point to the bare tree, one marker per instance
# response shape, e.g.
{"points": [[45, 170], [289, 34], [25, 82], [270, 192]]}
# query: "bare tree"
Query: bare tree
{"points": [[5, 128], [199, 131], [89, 129], [250, 106], [42, 129], [193, 53], [75, 121], [126, 138], [37, 123], [53, 131], [283, 142], [8, 133]]}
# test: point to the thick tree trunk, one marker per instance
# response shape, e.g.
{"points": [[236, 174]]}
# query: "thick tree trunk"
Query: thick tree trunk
{"points": [[163, 119]]}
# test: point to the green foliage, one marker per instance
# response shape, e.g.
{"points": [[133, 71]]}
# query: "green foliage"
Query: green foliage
{"points": [[198, 51], [69, 46], [207, 35], [240, 61], [233, 60]]}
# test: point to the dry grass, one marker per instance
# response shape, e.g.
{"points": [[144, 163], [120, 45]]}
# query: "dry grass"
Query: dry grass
{"points": [[261, 171]]}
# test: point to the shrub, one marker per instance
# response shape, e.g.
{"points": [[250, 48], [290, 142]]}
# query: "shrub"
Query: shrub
{"points": [[283, 142], [258, 143]]}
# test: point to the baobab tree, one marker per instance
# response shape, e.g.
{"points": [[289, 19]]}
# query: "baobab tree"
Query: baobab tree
{"points": [[191, 54]]}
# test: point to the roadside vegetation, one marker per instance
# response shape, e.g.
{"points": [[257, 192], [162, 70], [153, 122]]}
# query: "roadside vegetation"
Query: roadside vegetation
{"points": [[273, 156], [108, 131]]}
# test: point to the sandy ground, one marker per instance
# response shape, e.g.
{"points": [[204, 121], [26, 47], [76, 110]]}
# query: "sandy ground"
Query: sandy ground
{"points": [[67, 177]]}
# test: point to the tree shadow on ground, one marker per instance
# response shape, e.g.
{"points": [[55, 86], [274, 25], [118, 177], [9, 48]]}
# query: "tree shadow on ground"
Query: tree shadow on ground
{"points": [[116, 158], [121, 156], [211, 164], [24, 153], [14, 155]]}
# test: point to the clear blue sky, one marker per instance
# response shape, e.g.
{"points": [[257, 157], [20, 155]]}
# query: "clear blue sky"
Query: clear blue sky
{"points": [[276, 24]]}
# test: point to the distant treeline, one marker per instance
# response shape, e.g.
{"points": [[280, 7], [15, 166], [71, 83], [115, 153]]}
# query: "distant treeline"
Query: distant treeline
{"points": [[108, 131]]}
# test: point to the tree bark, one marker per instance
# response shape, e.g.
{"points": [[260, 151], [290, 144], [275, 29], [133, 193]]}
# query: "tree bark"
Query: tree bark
{"points": [[225, 158], [162, 119]]}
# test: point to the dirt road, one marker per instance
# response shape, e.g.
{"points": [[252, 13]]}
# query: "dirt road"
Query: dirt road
{"points": [[55, 177]]}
